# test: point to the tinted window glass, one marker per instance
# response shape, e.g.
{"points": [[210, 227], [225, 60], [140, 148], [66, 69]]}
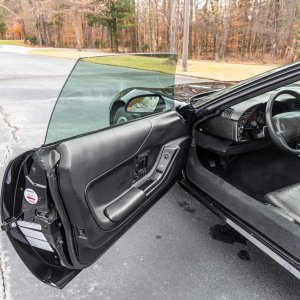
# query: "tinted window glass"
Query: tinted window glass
{"points": [[109, 90]]}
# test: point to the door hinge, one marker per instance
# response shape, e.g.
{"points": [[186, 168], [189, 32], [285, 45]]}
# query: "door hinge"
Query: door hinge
{"points": [[9, 224]]}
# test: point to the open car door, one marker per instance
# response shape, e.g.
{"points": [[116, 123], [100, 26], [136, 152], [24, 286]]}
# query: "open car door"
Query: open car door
{"points": [[108, 156]]}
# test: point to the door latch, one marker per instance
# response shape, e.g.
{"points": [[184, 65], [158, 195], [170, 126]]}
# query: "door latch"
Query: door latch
{"points": [[47, 216]]}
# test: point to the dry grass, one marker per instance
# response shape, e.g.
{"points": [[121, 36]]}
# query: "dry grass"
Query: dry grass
{"points": [[13, 43], [223, 71], [148, 63], [196, 68], [62, 53]]}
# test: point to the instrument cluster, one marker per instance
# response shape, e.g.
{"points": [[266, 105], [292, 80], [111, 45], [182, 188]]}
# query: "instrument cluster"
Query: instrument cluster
{"points": [[252, 124]]}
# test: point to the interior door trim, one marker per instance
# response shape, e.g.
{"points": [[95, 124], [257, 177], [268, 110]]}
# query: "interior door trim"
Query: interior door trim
{"points": [[109, 225]]}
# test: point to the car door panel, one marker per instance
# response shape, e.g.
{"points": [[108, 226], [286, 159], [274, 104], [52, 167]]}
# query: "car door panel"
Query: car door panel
{"points": [[86, 192], [98, 178]]}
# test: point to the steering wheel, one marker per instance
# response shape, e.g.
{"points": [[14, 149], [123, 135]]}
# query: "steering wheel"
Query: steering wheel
{"points": [[284, 127]]}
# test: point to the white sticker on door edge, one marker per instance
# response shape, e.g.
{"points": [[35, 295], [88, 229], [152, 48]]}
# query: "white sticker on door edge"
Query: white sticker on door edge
{"points": [[31, 196]]}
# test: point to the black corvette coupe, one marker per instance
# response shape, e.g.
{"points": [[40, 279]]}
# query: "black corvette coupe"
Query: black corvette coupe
{"points": [[235, 148]]}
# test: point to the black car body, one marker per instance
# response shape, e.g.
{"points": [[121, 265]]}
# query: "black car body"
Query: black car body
{"points": [[66, 203]]}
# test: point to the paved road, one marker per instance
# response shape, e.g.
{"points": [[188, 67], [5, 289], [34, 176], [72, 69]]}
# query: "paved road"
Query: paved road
{"points": [[178, 250]]}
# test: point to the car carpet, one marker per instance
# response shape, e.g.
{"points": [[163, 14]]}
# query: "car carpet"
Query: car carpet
{"points": [[258, 173]]}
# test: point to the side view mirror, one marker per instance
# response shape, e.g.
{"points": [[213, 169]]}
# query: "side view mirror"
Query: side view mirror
{"points": [[146, 104]]}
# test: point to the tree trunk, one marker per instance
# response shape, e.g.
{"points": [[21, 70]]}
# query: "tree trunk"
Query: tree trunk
{"points": [[24, 31], [76, 24], [134, 29], [38, 23], [227, 27], [157, 27], [45, 31], [185, 52], [275, 11], [90, 37], [294, 5], [150, 26], [173, 27], [191, 42], [114, 36]]}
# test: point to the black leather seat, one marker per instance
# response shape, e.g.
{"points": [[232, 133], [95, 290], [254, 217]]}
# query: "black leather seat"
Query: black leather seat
{"points": [[287, 199]]}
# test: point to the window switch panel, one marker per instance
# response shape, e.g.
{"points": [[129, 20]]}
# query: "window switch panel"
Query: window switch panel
{"points": [[165, 159]]}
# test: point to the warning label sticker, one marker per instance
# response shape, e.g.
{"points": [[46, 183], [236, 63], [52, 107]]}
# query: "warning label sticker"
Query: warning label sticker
{"points": [[31, 196]]}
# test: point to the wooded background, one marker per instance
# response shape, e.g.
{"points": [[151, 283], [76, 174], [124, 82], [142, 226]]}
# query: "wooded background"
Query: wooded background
{"points": [[266, 31]]}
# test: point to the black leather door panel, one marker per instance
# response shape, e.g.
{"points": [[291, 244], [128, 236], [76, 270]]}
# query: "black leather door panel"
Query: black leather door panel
{"points": [[98, 170], [122, 206]]}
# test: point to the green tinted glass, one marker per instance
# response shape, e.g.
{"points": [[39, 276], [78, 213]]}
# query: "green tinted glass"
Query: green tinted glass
{"points": [[99, 88]]}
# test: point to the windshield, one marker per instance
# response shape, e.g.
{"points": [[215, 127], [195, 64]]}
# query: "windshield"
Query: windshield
{"points": [[98, 87]]}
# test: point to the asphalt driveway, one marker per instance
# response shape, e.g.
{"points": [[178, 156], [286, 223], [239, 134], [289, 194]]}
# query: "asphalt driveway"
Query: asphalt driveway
{"points": [[178, 250]]}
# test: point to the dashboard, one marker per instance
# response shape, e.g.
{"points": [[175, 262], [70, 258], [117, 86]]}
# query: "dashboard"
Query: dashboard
{"points": [[245, 122]]}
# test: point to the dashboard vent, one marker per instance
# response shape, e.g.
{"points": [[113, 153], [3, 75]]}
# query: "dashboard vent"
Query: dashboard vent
{"points": [[297, 104], [227, 113]]}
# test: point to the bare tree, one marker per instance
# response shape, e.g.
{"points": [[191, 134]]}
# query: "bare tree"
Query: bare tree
{"points": [[18, 17], [173, 27], [261, 30], [228, 15], [185, 51], [76, 24]]}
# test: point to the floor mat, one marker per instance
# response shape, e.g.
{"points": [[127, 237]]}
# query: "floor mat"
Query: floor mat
{"points": [[258, 173]]}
